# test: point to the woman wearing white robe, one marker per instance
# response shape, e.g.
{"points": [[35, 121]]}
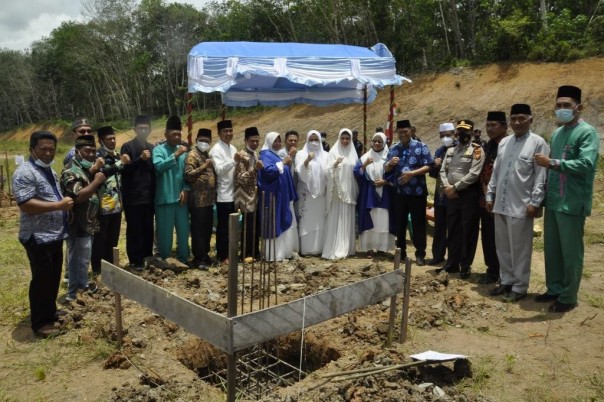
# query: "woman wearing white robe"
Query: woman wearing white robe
{"points": [[311, 165], [275, 180], [374, 199], [342, 191]]}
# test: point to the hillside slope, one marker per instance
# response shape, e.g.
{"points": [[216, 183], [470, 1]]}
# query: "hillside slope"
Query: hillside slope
{"points": [[432, 99]]}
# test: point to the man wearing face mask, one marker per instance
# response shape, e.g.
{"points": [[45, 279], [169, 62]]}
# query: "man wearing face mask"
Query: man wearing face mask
{"points": [[110, 217], [82, 181], [79, 127], [246, 194], [496, 130], [439, 242], [172, 194], [572, 163], [459, 174], [138, 193], [42, 229], [199, 173]]}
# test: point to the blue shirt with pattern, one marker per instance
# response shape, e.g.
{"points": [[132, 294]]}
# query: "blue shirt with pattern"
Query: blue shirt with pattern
{"points": [[31, 181], [411, 157]]}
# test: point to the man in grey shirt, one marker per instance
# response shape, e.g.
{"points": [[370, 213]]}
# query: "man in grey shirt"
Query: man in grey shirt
{"points": [[514, 194]]}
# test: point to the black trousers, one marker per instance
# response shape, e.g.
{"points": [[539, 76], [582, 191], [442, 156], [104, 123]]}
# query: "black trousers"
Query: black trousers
{"points": [[45, 261], [223, 210], [104, 241], [416, 206], [487, 235], [202, 222], [439, 242], [462, 226], [250, 235], [139, 232]]}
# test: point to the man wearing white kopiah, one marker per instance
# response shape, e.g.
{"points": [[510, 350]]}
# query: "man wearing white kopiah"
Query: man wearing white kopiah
{"points": [[311, 166], [225, 157], [514, 194], [375, 198], [342, 192]]}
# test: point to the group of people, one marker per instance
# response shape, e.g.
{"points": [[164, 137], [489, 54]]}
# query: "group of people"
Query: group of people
{"points": [[311, 200]]}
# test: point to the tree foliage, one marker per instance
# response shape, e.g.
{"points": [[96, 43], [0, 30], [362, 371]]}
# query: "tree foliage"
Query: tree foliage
{"points": [[129, 56]]}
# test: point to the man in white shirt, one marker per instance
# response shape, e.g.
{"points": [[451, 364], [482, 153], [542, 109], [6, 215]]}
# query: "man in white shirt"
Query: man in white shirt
{"points": [[514, 195], [225, 158]]}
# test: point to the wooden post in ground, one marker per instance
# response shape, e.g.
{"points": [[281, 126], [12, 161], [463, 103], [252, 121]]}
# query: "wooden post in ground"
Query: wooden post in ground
{"points": [[232, 287], [397, 264], [405, 316], [118, 304]]}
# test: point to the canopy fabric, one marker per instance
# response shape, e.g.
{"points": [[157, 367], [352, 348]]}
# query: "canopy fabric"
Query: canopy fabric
{"points": [[279, 74]]}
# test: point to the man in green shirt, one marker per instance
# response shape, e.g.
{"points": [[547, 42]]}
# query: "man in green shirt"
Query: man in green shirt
{"points": [[572, 167], [171, 192]]}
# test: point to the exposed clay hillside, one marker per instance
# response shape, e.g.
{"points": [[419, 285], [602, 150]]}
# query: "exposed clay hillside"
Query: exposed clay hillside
{"points": [[435, 98]]}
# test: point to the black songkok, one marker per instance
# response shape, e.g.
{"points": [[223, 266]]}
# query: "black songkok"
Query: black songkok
{"points": [[174, 123], [569, 91], [521, 108], [251, 132]]}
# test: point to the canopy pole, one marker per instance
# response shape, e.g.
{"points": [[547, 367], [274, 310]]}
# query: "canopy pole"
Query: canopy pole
{"points": [[364, 117], [190, 118], [222, 111], [390, 129]]}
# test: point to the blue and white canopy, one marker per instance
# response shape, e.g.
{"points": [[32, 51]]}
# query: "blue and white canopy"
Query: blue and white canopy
{"points": [[279, 74]]}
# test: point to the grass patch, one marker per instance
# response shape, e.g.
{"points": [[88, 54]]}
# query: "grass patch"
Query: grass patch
{"points": [[482, 369], [595, 383], [595, 301], [538, 244], [40, 374], [14, 287]]}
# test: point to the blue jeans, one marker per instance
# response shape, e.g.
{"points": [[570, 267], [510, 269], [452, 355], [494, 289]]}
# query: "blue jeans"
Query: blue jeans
{"points": [[78, 258]]}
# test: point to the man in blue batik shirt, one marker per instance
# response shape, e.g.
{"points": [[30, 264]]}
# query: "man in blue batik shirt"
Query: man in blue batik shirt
{"points": [[406, 168]]}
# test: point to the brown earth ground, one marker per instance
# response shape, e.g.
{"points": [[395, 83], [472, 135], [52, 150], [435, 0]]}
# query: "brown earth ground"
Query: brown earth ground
{"points": [[518, 352]]}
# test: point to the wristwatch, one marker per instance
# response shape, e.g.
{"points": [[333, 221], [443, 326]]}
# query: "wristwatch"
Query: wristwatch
{"points": [[554, 163]]}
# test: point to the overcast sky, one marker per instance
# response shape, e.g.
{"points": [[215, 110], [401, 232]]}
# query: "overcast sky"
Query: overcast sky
{"points": [[25, 21]]}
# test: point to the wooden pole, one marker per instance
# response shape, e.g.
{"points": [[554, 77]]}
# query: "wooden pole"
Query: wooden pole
{"points": [[405, 316], [232, 301], [397, 264], [118, 304], [1, 177], [190, 118], [364, 118]]}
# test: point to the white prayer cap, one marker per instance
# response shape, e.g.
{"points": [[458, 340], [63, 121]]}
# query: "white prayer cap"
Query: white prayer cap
{"points": [[446, 127]]}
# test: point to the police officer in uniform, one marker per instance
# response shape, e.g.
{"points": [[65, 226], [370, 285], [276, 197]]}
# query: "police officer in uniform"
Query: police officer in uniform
{"points": [[459, 174]]}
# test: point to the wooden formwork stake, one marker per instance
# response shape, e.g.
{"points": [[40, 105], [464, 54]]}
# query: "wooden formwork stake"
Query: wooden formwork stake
{"points": [[392, 317], [405, 316], [118, 304]]}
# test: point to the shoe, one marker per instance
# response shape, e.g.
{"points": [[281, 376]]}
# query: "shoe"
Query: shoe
{"points": [[202, 267], [485, 279], [545, 298], [70, 299], [465, 272], [434, 261], [91, 288], [420, 261], [452, 269], [512, 296], [558, 307], [48, 331], [59, 314], [211, 262], [500, 290]]}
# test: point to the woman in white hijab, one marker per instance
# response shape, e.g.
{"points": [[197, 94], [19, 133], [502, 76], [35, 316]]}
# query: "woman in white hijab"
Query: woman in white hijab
{"points": [[375, 224], [311, 165], [342, 191], [275, 180]]}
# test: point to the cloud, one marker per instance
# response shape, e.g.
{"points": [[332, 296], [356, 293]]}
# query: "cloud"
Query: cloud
{"points": [[25, 21]]}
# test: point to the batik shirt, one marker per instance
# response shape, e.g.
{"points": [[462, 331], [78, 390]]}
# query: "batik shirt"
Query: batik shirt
{"points": [[202, 179], [84, 217], [411, 157], [246, 190], [34, 182], [111, 196]]}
